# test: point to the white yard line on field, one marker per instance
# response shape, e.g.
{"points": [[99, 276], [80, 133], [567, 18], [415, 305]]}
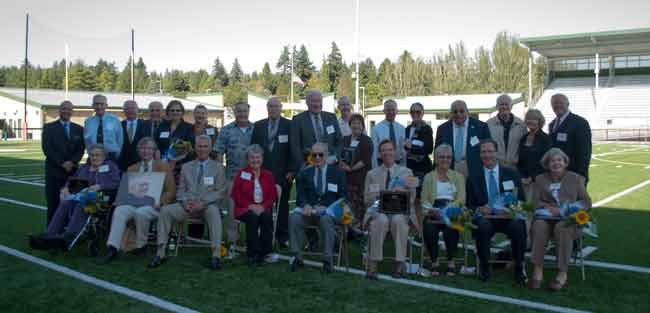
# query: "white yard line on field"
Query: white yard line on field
{"points": [[35, 164], [17, 181], [622, 193], [134, 294], [618, 152]]}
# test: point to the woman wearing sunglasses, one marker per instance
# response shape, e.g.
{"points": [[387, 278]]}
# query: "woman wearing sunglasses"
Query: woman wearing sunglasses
{"points": [[418, 145]]}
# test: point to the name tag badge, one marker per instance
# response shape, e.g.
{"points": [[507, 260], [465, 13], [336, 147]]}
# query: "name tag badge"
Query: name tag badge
{"points": [[417, 143], [209, 131], [561, 137], [354, 143], [245, 175], [508, 185], [555, 186], [330, 129], [374, 187], [332, 187], [473, 141], [208, 181], [164, 135], [283, 138], [103, 168]]}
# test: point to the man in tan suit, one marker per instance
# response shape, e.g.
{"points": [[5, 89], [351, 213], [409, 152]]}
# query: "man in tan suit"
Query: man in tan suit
{"points": [[377, 180], [507, 130], [202, 186], [139, 209]]}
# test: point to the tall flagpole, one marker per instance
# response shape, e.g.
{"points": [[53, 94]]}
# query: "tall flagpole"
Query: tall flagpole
{"points": [[132, 62], [356, 41], [291, 77], [24, 126], [67, 63]]}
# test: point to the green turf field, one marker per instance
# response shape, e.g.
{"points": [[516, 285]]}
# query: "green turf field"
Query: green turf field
{"points": [[183, 280]]}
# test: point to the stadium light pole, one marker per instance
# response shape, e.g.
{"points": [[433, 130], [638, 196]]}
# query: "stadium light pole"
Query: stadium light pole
{"points": [[132, 62], [356, 70], [530, 78], [67, 63], [24, 130]]}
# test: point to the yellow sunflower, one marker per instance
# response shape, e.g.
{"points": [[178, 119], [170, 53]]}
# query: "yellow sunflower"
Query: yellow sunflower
{"points": [[582, 217], [223, 251], [311, 159], [347, 218], [458, 227]]}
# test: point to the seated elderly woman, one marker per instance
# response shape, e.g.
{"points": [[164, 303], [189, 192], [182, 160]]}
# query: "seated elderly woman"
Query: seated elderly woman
{"points": [[70, 217], [553, 190], [440, 187], [139, 208], [253, 193]]}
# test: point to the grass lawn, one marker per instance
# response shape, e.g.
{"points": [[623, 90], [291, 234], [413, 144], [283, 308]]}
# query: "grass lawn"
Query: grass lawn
{"points": [[184, 281]]}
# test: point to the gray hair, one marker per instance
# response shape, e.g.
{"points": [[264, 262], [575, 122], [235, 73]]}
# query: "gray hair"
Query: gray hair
{"points": [[147, 140], [203, 137], [65, 102], [273, 99], [443, 148], [242, 104], [456, 103], [313, 93], [551, 153], [390, 102], [322, 146], [127, 102], [99, 97], [254, 149], [535, 114], [152, 103], [561, 95], [343, 100], [97, 146], [504, 97]]}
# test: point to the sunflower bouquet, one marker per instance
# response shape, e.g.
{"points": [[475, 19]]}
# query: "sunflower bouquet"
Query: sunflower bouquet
{"points": [[178, 150], [338, 210]]}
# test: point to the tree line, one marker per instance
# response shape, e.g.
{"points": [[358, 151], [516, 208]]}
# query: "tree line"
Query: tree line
{"points": [[455, 70]]}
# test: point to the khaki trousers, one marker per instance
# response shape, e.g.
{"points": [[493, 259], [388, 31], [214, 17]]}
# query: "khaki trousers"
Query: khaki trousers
{"points": [[380, 225], [175, 213], [564, 235], [142, 216], [233, 223]]}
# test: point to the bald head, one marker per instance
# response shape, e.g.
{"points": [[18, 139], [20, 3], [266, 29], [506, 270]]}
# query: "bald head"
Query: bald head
{"points": [[130, 109], [314, 101], [99, 104], [274, 108], [65, 110], [560, 104]]}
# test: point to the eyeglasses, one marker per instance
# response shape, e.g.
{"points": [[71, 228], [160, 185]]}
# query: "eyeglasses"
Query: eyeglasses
{"points": [[416, 112], [444, 157], [318, 155], [458, 111]]}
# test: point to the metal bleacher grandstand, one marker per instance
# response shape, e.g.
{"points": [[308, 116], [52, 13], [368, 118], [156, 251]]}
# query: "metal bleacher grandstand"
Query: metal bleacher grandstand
{"points": [[605, 75]]}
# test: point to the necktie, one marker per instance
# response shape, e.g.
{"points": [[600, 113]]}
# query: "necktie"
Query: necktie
{"points": [[100, 131], [319, 181], [154, 127], [273, 129], [200, 176], [493, 188], [66, 125], [319, 128], [146, 166], [130, 131], [387, 179], [391, 132], [459, 143]]}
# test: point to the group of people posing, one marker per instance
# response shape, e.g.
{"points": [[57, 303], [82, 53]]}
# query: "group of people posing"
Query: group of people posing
{"points": [[330, 159]]}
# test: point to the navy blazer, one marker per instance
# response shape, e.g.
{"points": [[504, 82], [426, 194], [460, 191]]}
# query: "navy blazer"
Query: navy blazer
{"points": [[278, 161], [445, 134], [306, 191], [184, 131], [129, 154], [58, 148], [303, 136], [577, 144], [477, 190]]}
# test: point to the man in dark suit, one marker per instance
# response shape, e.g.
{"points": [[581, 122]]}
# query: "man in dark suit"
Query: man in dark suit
{"points": [[63, 146], [133, 129], [314, 126], [155, 119], [272, 134], [572, 134], [483, 191], [318, 186], [463, 134]]}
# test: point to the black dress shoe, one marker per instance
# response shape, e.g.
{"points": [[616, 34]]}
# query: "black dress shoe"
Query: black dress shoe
{"points": [[157, 261], [259, 260], [215, 264], [327, 267], [484, 275], [37, 242], [111, 254], [520, 276], [295, 263]]}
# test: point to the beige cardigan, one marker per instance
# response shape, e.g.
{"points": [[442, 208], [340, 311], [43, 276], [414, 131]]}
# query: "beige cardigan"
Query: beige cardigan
{"points": [[429, 186], [517, 131]]}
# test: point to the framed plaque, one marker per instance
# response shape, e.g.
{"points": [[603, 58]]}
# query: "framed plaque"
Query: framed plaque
{"points": [[394, 202], [347, 155]]}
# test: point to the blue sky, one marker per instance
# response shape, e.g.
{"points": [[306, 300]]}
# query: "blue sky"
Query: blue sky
{"points": [[189, 35]]}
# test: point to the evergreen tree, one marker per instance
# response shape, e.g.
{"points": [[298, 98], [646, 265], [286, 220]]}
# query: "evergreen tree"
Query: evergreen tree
{"points": [[284, 62], [304, 68], [219, 75], [236, 73]]}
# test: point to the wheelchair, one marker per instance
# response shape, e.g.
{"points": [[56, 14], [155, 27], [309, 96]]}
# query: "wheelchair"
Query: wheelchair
{"points": [[98, 224]]}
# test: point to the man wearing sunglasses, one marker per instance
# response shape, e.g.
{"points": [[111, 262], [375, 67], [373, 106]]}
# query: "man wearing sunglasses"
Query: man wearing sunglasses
{"points": [[389, 129], [463, 133], [318, 186], [104, 128]]}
